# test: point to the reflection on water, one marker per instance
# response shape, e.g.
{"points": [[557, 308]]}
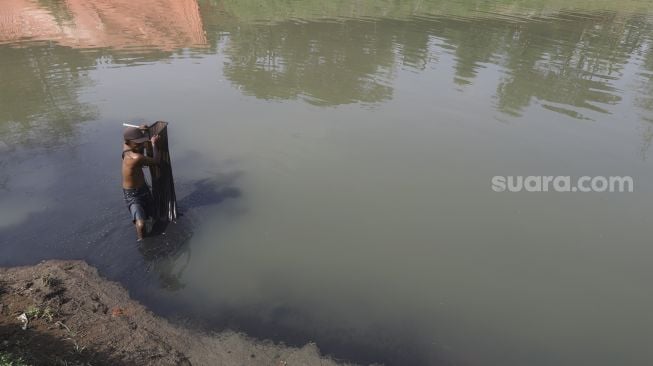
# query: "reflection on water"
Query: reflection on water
{"points": [[40, 103], [645, 97], [568, 62], [333, 163], [164, 24], [326, 63]]}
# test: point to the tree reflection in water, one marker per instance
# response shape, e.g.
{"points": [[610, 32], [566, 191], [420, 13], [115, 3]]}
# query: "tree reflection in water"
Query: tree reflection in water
{"points": [[567, 61]]}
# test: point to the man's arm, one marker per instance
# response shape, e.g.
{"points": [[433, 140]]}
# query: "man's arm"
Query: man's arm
{"points": [[156, 158]]}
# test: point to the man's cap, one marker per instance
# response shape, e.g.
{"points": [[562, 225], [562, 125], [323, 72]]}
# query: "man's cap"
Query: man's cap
{"points": [[134, 134]]}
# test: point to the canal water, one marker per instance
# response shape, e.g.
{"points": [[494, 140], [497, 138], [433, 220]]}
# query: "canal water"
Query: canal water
{"points": [[333, 162]]}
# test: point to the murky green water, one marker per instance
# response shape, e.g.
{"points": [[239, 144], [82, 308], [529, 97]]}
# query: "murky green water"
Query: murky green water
{"points": [[335, 161]]}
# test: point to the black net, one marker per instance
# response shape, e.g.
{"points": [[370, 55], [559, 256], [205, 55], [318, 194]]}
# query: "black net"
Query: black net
{"points": [[163, 186]]}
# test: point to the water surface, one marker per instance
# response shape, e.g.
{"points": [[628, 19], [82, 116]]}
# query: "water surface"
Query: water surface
{"points": [[333, 162]]}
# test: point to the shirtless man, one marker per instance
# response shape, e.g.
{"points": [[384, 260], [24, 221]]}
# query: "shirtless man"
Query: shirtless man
{"points": [[137, 194]]}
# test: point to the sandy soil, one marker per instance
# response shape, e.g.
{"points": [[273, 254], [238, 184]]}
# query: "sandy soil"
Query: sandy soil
{"points": [[166, 24], [78, 318]]}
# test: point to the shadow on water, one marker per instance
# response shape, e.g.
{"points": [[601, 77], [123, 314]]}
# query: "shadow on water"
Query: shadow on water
{"points": [[205, 192], [208, 192]]}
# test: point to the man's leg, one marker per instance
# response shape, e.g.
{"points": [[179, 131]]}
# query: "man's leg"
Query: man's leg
{"points": [[138, 216], [140, 229]]}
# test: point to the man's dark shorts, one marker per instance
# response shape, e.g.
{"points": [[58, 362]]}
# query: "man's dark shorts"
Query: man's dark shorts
{"points": [[139, 202]]}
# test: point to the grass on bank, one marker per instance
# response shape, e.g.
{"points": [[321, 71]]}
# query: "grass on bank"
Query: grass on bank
{"points": [[7, 359]]}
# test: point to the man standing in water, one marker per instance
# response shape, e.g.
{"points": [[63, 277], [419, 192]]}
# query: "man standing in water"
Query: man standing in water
{"points": [[137, 194]]}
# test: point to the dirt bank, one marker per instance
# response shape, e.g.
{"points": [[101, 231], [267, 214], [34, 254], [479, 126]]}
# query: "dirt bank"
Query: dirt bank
{"points": [[78, 318]]}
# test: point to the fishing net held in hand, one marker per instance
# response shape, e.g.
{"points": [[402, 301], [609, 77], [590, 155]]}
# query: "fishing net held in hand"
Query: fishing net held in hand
{"points": [[163, 186]]}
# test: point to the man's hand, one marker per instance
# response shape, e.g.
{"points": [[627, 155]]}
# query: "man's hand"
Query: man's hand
{"points": [[155, 140], [156, 156], [143, 127]]}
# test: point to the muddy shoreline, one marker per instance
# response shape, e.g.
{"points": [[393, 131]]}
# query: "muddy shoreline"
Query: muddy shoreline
{"points": [[76, 317]]}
